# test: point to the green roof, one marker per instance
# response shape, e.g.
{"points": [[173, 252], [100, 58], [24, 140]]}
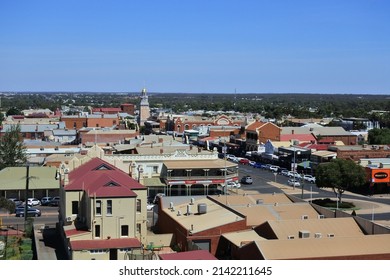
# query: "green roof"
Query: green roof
{"points": [[14, 178]]}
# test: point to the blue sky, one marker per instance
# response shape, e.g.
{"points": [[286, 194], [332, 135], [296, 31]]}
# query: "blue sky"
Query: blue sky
{"points": [[214, 46]]}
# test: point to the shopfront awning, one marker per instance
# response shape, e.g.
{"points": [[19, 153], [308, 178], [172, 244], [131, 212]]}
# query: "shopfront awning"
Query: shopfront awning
{"points": [[153, 182], [305, 164]]}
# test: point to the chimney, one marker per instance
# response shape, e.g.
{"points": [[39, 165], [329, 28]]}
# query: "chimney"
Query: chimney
{"points": [[160, 140], [161, 151]]}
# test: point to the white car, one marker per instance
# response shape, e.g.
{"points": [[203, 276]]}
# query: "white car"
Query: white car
{"points": [[231, 157], [294, 183], [293, 174], [274, 168], [309, 178], [150, 206], [233, 185], [33, 202]]}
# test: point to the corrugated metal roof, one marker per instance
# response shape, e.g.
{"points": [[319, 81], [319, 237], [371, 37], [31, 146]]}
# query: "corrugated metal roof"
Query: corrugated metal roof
{"points": [[14, 178], [340, 227], [242, 237], [214, 163], [325, 247], [190, 255], [215, 215]]}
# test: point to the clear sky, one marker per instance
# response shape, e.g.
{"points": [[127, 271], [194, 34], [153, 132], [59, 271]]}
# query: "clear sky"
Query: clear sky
{"points": [[208, 46]]}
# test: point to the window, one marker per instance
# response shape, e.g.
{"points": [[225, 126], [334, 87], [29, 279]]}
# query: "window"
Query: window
{"points": [[109, 207], [97, 231], [75, 207], [138, 228], [74, 124], [124, 230], [98, 207], [155, 169], [138, 205]]}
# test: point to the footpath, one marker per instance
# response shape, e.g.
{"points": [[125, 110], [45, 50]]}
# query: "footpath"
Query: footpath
{"points": [[363, 206]]}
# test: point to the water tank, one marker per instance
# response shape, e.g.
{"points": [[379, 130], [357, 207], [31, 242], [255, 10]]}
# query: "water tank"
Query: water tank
{"points": [[202, 208]]}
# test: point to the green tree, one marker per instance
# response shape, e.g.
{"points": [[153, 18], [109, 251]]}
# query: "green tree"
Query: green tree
{"points": [[13, 111], [378, 136], [12, 149], [340, 175]]}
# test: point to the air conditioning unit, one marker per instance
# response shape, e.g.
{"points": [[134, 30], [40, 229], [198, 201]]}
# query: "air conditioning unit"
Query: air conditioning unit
{"points": [[305, 217], [317, 235], [290, 237], [304, 234], [69, 219], [321, 217], [331, 235]]}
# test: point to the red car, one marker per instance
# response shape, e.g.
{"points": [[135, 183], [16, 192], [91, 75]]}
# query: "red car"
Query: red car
{"points": [[244, 161]]}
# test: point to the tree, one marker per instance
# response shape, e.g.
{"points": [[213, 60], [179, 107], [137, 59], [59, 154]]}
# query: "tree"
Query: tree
{"points": [[12, 149], [340, 175]]}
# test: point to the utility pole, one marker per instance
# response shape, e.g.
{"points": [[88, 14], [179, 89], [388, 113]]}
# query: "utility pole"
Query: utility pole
{"points": [[26, 194]]}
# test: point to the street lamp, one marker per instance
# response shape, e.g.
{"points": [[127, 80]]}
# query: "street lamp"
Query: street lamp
{"points": [[295, 164]]}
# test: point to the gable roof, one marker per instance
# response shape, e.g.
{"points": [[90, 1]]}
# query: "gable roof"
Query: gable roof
{"points": [[300, 137], [101, 179], [255, 125]]}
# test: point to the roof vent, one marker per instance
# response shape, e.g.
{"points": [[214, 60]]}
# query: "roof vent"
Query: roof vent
{"points": [[317, 235], [192, 201], [259, 201], [170, 205], [305, 217], [330, 234], [321, 217], [179, 213], [188, 209], [290, 237]]}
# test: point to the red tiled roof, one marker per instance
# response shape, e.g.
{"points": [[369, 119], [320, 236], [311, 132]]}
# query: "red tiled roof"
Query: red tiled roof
{"points": [[72, 232], [101, 179], [78, 245], [106, 110], [255, 125], [189, 255], [318, 147], [299, 137]]}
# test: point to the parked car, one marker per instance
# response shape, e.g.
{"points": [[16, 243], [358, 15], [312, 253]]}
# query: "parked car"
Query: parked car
{"points": [[55, 201], [233, 185], [266, 166], [294, 174], [281, 169], [31, 212], [17, 201], [46, 200], [284, 172], [294, 183], [21, 208], [246, 180], [231, 157], [309, 178], [274, 168], [33, 201], [258, 165], [244, 161], [252, 163]]}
